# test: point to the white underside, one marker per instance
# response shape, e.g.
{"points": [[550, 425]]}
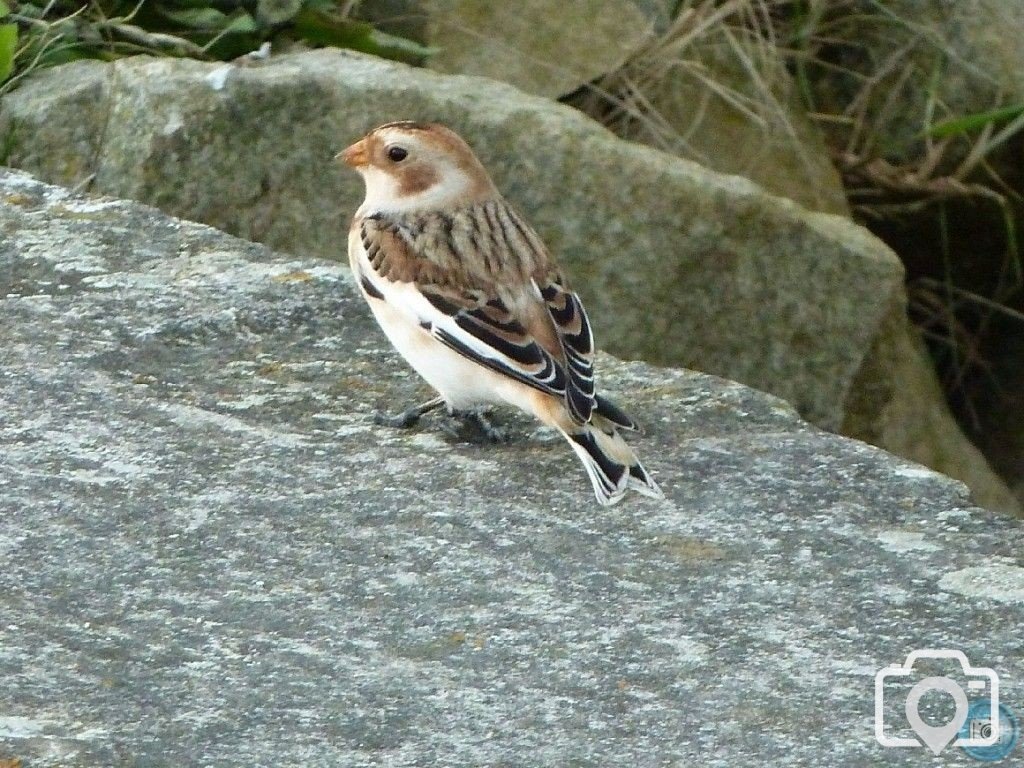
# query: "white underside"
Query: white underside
{"points": [[462, 382]]}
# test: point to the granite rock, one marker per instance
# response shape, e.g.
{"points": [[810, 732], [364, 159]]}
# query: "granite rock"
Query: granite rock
{"points": [[546, 47], [212, 556]]}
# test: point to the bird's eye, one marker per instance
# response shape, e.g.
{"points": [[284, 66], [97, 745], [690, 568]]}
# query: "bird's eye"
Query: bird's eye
{"points": [[397, 154]]}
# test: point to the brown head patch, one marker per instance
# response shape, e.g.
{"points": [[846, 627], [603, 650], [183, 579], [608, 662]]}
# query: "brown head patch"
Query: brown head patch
{"points": [[433, 147], [416, 179]]}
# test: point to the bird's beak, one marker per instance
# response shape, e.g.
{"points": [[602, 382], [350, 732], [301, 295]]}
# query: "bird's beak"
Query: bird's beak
{"points": [[354, 156]]}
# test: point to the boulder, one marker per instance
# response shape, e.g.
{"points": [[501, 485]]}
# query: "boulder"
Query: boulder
{"points": [[213, 556], [896, 401], [895, 69], [678, 265], [546, 47]]}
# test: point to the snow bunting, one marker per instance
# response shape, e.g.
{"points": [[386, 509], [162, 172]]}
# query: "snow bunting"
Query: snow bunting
{"points": [[470, 297]]}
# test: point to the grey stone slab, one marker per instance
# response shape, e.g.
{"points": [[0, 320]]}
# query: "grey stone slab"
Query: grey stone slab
{"points": [[212, 556]]}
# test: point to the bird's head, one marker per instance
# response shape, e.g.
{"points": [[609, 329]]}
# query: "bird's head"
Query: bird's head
{"points": [[410, 166]]}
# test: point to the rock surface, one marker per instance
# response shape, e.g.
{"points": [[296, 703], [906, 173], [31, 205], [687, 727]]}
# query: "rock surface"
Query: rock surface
{"points": [[897, 402], [546, 47], [677, 264], [212, 556]]}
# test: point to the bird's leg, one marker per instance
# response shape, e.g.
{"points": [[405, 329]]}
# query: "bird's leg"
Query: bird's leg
{"points": [[410, 417], [481, 426]]}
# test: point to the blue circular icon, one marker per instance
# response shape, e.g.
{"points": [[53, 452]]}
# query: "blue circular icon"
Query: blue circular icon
{"points": [[978, 726]]}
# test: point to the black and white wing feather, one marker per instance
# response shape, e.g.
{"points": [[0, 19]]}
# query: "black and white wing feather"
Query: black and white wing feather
{"points": [[487, 333], [577, 341]]}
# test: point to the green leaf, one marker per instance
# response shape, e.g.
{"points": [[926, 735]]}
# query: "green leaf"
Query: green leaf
{"points": [[399, 48], [325, 29], [4, 9], [974, 122], [326, 6], [31, 11], [197, 18], [8, 44], [240, 22]]}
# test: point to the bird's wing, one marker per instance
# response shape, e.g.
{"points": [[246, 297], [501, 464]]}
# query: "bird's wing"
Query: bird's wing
{"points": [[576, 339], [562, 311], [460, 307]]}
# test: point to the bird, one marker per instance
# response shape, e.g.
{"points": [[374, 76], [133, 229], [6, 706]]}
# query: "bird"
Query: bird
{"points": [[469, 295]]}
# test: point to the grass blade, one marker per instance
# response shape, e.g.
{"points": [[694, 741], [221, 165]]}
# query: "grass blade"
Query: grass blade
{"points": [[974, 122], [8, 45]]}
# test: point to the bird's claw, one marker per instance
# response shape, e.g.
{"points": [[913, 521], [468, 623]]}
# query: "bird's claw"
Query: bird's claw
{"points": [[479, 426], [403, 420], [470, 426], [409, 417]]}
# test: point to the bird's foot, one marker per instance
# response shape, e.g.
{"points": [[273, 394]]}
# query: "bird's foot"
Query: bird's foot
{"points": [[407, 418], [475, 427], [404, 420]]}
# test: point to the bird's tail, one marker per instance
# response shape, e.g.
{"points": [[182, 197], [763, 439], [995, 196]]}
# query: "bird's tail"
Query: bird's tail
{"points": [[612, 466]]}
